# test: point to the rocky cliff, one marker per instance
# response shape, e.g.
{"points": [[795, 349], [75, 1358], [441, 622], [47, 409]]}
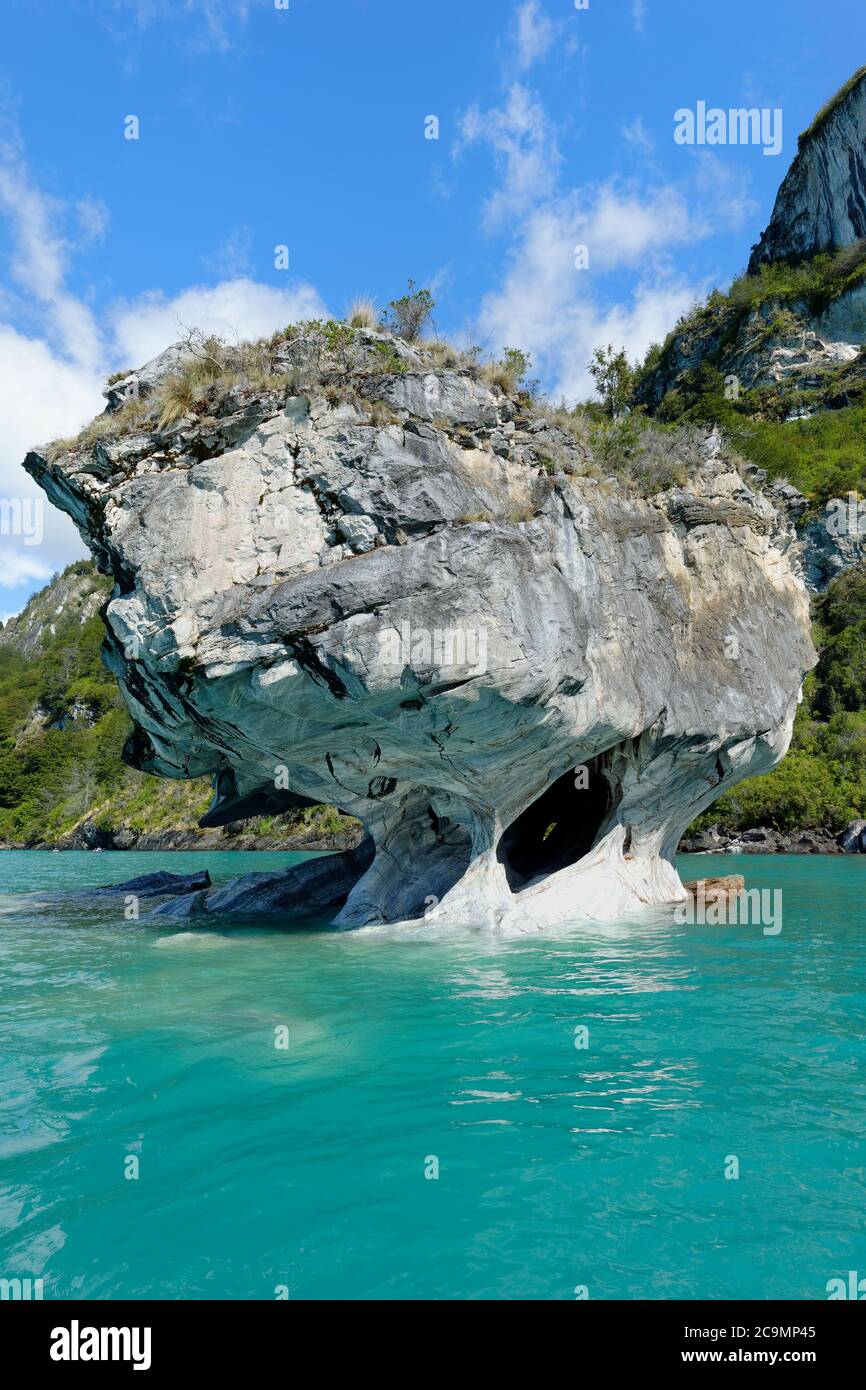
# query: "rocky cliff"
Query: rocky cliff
{"points": [[821, 204], [70, 600], [360, 572], [789, 337]]}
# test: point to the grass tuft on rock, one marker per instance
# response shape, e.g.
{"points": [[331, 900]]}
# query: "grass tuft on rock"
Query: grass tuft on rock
{"points": [[826, 111]]}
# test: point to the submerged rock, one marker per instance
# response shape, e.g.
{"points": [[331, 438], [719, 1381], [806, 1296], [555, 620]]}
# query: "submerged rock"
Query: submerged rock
{"points": [[304, 890], [155, 885], [524, 682], [160, 884]]}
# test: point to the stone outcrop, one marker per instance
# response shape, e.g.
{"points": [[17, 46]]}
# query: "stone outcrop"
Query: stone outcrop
{"points": [[789, 341], [821, 204], [825, 553], [853, 837], [145, 380], [825, 545], [416, 603], [816, 360]]}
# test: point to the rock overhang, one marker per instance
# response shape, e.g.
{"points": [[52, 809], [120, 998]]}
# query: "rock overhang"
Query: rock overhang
{"points": [[259, 638]]}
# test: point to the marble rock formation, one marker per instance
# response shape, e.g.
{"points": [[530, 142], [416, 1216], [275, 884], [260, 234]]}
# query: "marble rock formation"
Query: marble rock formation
{"points": [[524, 680]]}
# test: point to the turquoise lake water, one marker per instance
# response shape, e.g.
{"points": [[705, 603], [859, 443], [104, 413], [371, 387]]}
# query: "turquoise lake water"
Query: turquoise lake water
{"points": [[261, 1167]]}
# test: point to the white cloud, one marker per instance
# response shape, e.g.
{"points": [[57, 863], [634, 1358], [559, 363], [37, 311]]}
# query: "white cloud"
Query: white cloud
{"points": [[235, 309], [51, 376], [635, 133], [524, 148], [219, 15], [233, 257], [40, 254], [534, 33], [546, 302], [722, 193], [42, 396], [626, 227], [40, 261], [92, 218], [638, 14], [17, 567], [646, 319], [558, 313], [214, 22]]}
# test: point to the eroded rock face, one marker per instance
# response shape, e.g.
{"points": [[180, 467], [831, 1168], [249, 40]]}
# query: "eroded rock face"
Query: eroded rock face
{"points": [[782, 344], [821, 204], [428, 625]]}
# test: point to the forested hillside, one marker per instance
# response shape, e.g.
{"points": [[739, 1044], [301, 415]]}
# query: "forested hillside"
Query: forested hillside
{"points": [[62, 729]]}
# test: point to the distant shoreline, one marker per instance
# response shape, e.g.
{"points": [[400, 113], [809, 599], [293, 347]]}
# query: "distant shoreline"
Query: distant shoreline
{"points": [[183, 842]]}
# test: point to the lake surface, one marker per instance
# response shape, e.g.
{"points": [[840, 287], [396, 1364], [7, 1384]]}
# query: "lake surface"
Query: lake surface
{"points": [[262, 1167]]}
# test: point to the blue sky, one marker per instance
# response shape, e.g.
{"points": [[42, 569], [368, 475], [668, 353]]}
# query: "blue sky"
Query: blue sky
{"points": [[304, 126]]}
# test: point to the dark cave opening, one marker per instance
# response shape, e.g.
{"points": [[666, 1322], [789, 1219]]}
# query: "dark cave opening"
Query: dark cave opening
{"points": [[557, 829]]}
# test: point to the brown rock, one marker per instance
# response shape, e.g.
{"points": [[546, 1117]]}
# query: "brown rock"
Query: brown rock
{"points": [[715, 890]]}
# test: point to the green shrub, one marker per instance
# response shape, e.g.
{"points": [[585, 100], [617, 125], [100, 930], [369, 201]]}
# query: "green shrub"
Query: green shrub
{"points": [[613, 377], [841, 633], [407, 315], [822, 781]]}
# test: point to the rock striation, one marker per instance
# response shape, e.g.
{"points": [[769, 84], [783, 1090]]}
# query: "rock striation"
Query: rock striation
{"points": [[412, 599], [821, 204]]}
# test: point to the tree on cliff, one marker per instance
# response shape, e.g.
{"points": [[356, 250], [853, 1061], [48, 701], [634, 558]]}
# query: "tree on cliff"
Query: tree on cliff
{"points": [[613, 377]]}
